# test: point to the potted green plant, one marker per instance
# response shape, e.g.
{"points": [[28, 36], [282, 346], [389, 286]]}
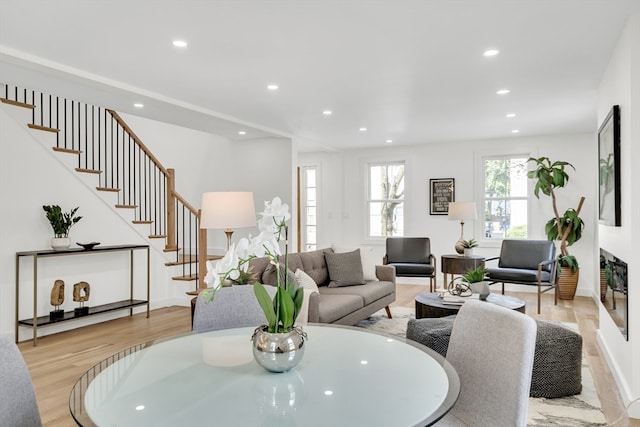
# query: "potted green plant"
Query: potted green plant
{"points": [[468, 246], [61, 223], [475, 278], [567, 227]]}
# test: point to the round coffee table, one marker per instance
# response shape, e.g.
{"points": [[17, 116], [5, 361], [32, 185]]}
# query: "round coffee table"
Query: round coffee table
{"points": [[431, 305]]}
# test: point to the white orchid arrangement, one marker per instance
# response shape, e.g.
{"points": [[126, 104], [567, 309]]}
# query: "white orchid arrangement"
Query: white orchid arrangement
{"points": [[282, 311]]}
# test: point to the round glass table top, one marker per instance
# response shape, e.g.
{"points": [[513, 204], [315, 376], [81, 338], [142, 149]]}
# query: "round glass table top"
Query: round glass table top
{"points": [[347, 377]]}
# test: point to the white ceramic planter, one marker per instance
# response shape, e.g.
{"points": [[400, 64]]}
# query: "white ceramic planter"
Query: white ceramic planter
{"points": [[60, 243]]}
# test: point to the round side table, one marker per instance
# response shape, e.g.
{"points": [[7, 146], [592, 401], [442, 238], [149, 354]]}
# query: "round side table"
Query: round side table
{"points": [[431, 305]]}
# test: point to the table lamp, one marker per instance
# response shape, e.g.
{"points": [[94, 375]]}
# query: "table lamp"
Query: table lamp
{"points": [[227, 210], [461, 211]]}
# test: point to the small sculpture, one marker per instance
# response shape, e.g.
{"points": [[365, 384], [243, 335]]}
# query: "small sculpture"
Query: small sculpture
{"points": [[57, 298], [81, 292]]}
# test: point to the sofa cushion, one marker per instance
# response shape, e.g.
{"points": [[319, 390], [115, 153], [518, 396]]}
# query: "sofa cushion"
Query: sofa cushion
{"points": [[305, 281], [366, 256], [370, 292], [345, 269], [334, 307]]}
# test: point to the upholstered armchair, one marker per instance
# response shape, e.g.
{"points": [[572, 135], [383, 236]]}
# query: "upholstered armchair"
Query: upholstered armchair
{"points": [[412, 257], [526, 262]]}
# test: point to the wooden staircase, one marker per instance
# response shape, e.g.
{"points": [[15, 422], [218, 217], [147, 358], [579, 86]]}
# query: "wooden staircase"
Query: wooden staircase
{"points": [[106, 146]]}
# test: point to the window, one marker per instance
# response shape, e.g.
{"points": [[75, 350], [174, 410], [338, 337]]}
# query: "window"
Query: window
{"points": [[309, 200], [386, 199], [505, 197]]}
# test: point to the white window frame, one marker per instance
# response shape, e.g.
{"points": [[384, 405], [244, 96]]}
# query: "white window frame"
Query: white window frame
{"points": [[368, 200], [303, 201], [534, 228]]}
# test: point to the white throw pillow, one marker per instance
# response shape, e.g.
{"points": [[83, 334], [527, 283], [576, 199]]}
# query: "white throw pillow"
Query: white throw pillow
{"points": [[305, 281], [309, 286], [367, 257]]}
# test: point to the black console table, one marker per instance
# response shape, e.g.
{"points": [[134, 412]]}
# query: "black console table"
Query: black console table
{"points": [[35, 321]]}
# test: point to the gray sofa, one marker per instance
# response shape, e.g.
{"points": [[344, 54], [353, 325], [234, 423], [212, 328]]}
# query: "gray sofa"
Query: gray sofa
{"points": [[340, 305]]}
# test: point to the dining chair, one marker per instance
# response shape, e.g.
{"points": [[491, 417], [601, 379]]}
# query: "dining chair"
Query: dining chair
{"points": [[18, 404], [492, 349], [526, 262], [412, 257], [233, 307]]}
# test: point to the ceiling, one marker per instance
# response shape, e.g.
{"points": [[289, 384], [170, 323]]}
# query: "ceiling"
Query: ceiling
{"points": [[409, 71]]}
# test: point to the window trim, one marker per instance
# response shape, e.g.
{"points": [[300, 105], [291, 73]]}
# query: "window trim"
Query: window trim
{"points": [[367, 200]]}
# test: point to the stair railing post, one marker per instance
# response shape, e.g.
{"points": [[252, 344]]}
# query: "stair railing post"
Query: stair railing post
{"points": [[202, 253], [171, 210]]}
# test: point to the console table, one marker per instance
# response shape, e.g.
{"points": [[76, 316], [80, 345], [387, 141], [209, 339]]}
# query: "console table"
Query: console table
{"points": [[458, 264], [35, 321]]}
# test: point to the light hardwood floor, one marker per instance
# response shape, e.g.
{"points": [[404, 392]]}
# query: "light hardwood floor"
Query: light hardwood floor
{"points": [[59, 360]]}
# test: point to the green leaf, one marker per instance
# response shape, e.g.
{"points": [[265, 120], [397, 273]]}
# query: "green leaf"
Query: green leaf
{"points": [[267, 305], [286, 309]]}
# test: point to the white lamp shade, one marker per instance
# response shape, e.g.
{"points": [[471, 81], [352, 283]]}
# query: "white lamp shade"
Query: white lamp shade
{"points": [[462, 211], [227, 210]]}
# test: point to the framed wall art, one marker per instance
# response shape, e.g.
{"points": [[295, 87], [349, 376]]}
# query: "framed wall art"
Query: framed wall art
{"points": [[441, 192], [609, 212]]}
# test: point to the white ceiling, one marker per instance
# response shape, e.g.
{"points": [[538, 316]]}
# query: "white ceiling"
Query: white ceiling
{"points": [[410, 71]]}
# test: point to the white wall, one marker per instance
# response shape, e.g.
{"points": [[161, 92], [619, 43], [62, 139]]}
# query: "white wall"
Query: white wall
{"points": [[620, 85], [343, 191], [31, 175]]}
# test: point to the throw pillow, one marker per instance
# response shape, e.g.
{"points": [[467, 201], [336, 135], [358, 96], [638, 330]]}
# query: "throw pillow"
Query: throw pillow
{"points": [[345, 269], [305, 281], [367, 257]]}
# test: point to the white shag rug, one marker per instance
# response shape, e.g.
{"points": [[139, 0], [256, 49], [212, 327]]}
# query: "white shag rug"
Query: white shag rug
{"points": [[581, 410]]}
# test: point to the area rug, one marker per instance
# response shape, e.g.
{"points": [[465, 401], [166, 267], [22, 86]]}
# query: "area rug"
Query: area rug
{"points": [[582, 410]]}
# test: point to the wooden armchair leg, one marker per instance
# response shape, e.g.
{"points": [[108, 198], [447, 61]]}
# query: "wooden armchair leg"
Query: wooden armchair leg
{"points": [[388, 312]]}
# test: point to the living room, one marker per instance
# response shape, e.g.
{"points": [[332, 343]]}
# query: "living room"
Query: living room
{"points": [[224, 164]]}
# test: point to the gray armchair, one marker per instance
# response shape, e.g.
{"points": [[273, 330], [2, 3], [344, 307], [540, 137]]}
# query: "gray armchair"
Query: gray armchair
{"points": [[526, 262], [18, 405], [412, 257]]}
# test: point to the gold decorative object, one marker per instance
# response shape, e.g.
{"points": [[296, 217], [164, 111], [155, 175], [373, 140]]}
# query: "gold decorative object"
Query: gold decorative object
{"points": [[81, 292], [56, 300]]}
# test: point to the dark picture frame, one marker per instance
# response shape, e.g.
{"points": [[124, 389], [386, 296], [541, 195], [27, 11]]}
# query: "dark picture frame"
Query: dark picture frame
{"points": [[609, 212], [441, 192]]}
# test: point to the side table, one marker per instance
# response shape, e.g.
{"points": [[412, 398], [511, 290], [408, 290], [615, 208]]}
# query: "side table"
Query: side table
{"points": [[458, 264], [431, 305]]}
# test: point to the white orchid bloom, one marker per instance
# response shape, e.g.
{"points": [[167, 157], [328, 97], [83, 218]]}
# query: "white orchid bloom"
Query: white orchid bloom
{"points": [[274, 216], [228, 265], [212, 279]]}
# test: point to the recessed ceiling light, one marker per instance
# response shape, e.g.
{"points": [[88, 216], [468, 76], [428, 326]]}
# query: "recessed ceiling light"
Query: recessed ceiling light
{"points": [[491, 52], [503, 91], [515, 131], [242, 132], [389, 141], [510, 115], [180, 43], [363, 129], [272, 86], [327, 112], [138, 105]]}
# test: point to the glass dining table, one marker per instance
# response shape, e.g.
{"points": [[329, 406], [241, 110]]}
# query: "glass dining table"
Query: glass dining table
{"points": [[348, 377]]}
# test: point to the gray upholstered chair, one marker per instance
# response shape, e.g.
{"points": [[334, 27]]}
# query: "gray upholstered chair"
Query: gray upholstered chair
{"points": [[18, 405], [233, 307], [492, 350], [526, 262], [412, 257]]}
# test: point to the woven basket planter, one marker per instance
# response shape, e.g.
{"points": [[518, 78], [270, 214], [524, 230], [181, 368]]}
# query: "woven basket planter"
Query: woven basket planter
{"points": [[567, 283]]}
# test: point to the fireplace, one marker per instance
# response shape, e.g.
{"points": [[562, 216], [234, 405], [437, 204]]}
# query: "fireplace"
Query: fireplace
{"points": [[613, 289]]}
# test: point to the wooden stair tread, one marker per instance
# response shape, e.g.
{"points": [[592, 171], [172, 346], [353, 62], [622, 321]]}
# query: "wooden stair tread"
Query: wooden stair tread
{"points": [[44, 128], [194, 293], [17, 103], [186, 278], [157, 236], [83, 170], [113, 190], [66, 150], [189, 259], [142, 221], [127, 206]]}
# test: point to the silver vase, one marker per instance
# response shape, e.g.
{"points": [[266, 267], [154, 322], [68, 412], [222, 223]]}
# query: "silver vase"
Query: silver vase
{"points": [[278, 352]]}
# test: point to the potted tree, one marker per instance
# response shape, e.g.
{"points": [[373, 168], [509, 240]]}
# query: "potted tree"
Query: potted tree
{"points": [[61, 223], [567, 227]]}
